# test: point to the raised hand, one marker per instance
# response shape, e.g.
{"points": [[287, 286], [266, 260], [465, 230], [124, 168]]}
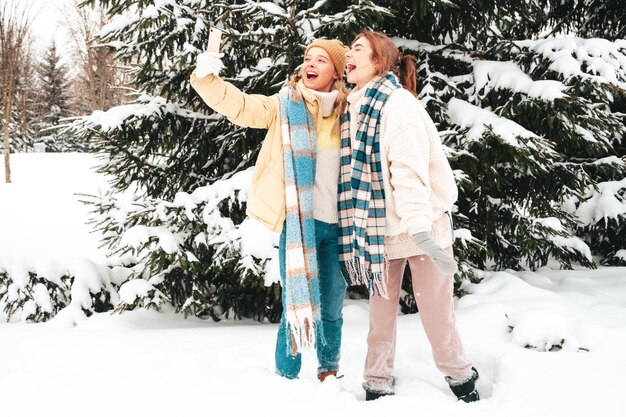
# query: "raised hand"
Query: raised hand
{"points": [[209, 63]]}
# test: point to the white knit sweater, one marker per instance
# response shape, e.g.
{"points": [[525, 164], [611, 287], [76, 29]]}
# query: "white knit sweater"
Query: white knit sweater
{"points": [[419, 184]]}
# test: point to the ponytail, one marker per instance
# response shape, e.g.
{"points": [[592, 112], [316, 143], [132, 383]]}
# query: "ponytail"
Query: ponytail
{"points": [[407, 73]]}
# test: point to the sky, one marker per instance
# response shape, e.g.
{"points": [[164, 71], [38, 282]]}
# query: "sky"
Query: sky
{"points": [[48, 23]]}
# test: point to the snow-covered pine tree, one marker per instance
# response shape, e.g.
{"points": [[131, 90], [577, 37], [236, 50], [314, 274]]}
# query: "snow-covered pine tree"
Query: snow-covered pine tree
{"points": [[53, 101], [534, 127], [169, 146], [531, 177], [533, 137], [24, 115], [73, 288]]}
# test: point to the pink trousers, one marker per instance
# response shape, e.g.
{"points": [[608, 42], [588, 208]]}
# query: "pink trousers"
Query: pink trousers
{"points": [[433, 293]]}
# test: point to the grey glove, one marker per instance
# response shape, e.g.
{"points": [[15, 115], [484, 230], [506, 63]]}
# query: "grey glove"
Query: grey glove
{"points": [[442, 259]]}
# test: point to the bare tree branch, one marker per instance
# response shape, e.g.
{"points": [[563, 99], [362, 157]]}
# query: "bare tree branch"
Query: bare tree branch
{"points": [[15, 24], [98, 71]]}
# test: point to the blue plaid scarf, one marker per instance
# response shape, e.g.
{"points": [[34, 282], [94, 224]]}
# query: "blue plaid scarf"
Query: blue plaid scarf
{"points": [[302, 295], [362, 195]]}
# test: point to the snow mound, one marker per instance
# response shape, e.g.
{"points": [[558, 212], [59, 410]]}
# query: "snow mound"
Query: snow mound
{"points": [[544, 331]]}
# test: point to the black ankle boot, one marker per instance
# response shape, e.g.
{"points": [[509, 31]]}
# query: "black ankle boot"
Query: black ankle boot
{"points": [[374, 392], [466, 390], [374, 395]]}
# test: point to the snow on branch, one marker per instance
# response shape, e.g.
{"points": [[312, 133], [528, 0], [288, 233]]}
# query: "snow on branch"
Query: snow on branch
{"points": [[495, 75], [219, 231], [318, 5], [138, 235], [466, 115], [266, 7], [145, 107], [119, 24], [65, 290], [600, 59], [127, 22], [603, 203], [416, 45]]}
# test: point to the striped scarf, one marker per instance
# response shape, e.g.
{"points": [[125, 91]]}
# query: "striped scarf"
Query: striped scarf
{"points": [[302, 295], [362, 196]]}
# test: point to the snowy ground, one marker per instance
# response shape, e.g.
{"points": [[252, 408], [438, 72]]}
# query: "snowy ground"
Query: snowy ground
{"points": [[39, 213], [145, 363]]}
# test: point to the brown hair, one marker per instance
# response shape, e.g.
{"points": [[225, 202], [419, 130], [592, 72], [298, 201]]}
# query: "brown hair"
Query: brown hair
{"points": [[388, 59]]}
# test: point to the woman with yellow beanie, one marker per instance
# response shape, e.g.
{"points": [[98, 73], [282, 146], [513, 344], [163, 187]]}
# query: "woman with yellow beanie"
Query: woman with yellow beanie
{"points": [[294, 192]]}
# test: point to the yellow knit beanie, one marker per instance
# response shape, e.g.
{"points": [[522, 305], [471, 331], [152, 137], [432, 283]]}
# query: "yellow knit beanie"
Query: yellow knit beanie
{"points": [[335, 48]]}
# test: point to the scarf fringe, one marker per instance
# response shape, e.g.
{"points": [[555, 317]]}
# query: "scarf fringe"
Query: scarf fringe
{"points": [[356, 273], [305, 329]]}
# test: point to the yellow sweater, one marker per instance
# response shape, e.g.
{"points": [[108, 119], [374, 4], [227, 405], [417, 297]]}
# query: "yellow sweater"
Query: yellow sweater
{"points": [[266, 199]]}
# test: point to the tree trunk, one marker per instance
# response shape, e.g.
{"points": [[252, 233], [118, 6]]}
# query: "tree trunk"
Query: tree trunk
{"points": [[8, 103], [15, 20], [7, 148]]}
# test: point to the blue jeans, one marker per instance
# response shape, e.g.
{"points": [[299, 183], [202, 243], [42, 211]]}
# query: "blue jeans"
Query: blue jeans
{"points": [[332, 293]]}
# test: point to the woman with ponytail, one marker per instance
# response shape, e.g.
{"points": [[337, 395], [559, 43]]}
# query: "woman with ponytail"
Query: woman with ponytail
{"points": [[396, 190], [294, 192]]}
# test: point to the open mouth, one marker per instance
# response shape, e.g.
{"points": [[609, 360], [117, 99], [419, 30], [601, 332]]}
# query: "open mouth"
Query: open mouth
{"points": [[310, 75], [350, 67]]}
